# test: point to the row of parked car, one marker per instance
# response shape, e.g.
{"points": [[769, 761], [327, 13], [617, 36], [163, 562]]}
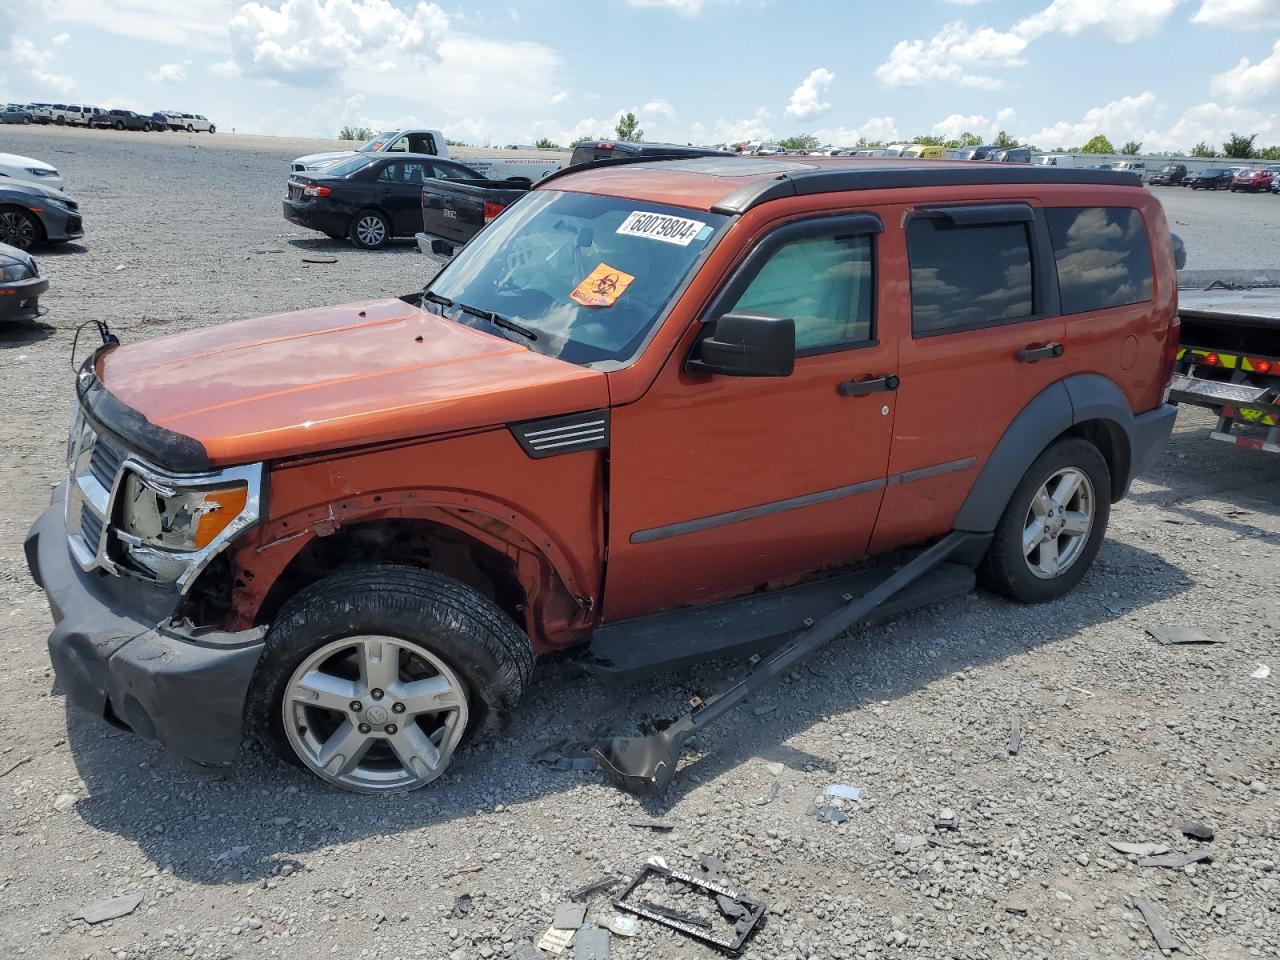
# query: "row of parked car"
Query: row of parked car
{"points": [[33, 210], [81, 115], [1264, 178]]}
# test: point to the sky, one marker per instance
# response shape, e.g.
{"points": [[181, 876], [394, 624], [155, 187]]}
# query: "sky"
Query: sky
{"points": [[1167, 73]]}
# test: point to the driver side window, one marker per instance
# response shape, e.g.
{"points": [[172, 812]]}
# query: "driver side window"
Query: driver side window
{"points": [[824, 283], [399, 146]]}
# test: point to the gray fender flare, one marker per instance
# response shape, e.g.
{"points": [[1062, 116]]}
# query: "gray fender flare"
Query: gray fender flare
{"points": [[1052, 412]]}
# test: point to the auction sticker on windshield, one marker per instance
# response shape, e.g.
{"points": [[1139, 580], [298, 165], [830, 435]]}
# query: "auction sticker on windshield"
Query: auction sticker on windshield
{"points": [[602, 288], [660, 226]]}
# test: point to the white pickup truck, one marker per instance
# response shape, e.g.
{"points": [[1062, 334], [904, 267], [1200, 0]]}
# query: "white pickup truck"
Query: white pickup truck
{"points": [[525, 170]]}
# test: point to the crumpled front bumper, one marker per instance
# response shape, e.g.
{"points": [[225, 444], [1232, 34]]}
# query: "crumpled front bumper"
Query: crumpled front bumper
{"points": [[184, 691]]}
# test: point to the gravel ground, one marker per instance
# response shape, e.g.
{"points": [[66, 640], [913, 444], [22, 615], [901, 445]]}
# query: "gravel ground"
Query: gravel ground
{"points": [[1224, 230], [1122, 739]]}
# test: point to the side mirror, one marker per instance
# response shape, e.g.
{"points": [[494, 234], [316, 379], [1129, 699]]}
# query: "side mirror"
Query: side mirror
{"points": [[745, 345]]}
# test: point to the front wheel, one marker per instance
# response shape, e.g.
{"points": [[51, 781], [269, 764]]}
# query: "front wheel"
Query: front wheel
{"points": [[213, 129], [18, 228], [373, 677], [369, 230], [1053, 526]]}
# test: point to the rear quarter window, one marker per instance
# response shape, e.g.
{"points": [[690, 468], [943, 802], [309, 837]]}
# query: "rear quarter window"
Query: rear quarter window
{"points": [[1102, 255], [965, 277]]}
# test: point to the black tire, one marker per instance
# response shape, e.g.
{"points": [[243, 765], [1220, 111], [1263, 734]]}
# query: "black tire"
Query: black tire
{"points": [[190, 128], [18, 228], [457, 624], [1006, 569], [60, 121], [119, 124], [355, 232], [213, 129], [146, 127]]}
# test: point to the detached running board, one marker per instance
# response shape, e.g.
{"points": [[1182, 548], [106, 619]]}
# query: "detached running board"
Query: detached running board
{"points": [[659, 642], [647, 765]]}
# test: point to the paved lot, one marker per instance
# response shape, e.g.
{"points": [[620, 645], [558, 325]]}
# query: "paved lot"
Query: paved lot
{"points": [[1122, 739], [1224, 230]]}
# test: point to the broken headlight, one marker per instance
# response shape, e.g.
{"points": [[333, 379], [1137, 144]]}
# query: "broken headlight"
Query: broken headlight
{"points": [[170, 528]]}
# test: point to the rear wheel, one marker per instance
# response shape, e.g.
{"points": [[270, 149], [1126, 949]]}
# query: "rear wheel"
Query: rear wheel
{"points": [[190, 128], [1053, 526], [373, 677], [369, 230], [18, 228]]}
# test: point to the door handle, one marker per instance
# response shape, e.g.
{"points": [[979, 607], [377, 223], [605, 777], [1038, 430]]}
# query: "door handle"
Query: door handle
{"points": [[861, 388], [1048, 352]]}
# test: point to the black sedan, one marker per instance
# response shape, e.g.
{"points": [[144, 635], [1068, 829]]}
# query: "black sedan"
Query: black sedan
{"points": [[30, 214], [367, 198], [20, 286], [1214, 178]]}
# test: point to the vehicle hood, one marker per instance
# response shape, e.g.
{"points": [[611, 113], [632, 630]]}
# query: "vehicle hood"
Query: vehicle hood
{"points": [[311, 160], [8, 184], [14, 160], [339, 377], [10, 254]]}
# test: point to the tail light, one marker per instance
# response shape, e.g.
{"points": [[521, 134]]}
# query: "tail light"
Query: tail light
{"points": [[1264, 366], [1211, 360], [491, 210], [1170, 359], [311, 190]]}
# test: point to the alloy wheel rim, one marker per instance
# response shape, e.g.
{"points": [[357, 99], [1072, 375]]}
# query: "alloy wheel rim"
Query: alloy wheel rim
{"points": [[1058, 523], [16, 230], [371, 230], [375, 713]]}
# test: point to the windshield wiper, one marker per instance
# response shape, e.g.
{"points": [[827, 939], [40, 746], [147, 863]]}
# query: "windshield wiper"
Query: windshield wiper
{"points": [[434, 297], [498, 320]]}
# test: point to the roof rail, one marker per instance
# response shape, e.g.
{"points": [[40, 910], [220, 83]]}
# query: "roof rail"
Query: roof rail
{"points": [[611, 162]]}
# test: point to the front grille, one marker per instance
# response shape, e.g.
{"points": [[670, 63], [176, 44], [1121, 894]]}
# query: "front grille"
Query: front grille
{"points": [[90, 528], [73, 224], [105, 462]]}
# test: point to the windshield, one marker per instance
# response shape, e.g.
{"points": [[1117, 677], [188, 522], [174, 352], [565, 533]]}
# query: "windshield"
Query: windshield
{"points": [[588, 275], [342, 168], [377, 143]]}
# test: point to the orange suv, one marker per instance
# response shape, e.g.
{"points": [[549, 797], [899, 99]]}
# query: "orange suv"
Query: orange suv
{"points": [[657, 410]]}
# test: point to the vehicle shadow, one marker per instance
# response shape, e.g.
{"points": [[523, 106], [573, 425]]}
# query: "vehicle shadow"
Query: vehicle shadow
{"points": [[24, 334], [244, 823], [325, 244], [62, 249]]}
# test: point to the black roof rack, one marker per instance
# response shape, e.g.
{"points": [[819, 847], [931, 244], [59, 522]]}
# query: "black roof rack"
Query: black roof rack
{"points": [[840, 179], [610, 162]]}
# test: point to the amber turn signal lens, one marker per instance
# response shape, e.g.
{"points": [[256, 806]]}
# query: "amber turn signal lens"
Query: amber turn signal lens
{"points": [[219, 509]]}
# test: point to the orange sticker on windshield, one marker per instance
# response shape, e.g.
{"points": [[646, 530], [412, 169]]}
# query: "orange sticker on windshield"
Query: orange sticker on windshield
{"points": [[602, 288]]}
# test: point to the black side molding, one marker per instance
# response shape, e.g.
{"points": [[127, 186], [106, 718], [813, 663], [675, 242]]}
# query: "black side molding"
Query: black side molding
{"points": [[568, 434], [162, 447]]}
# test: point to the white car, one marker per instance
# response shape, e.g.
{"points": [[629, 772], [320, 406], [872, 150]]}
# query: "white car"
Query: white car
{"points": [[525, 170], [14, 167], [191, 122]]}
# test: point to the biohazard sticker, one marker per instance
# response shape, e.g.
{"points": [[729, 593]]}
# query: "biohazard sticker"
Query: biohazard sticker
{"points": [[659, 226], [602, 288]]}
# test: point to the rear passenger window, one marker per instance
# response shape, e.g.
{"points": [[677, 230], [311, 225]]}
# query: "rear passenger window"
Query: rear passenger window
{"points": [[970, 276], [1102, 255], [824, 283]]}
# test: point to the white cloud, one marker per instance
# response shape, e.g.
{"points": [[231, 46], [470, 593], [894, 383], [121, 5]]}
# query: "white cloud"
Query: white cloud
{"points": [[686, 8], [955, 54], [226, 69], [30, 61], [190, 26], [720, 130], [950, 128], [1250, 81], [806, 99], [1245, 14], [1127, 118], [960, 55], [310, 42], [1214, 123], [470, 130], [61, 40], [875, 130], [657, 108], [558, 98], [168, 73]]}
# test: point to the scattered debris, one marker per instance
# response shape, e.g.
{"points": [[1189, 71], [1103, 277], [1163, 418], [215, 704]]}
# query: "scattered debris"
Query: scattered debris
{"points": [[1165, 939], [569, 916], [843, 791], [623, 926], [775, 768], [317, 258], [904, 843], [762, 709], [591, 943], [946, 819], [1138, 849], [526, 951], [657, 862], [1171, 635], [1262, 672], [769, 797], [110, 909], [1176, 859], [746, 910], [556, 941], [588, 890], [235, 853], [461, 870], [827, 814], [262, 250], [65, 801], [711, 866], [14, 766], [1015, 736], [661, 826], [462, 906], [1197, 830], [1017, 909], [1097, 753]]}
